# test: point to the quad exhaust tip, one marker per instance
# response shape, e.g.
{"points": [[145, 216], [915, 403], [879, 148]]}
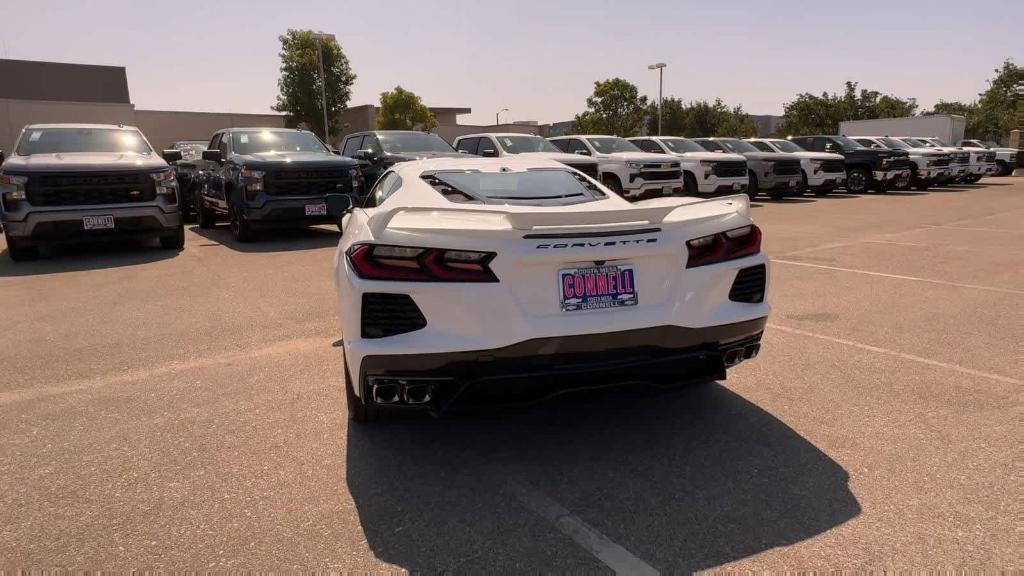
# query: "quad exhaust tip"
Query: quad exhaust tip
{"points": [[402, 391], [734, 356], [386, 393]]}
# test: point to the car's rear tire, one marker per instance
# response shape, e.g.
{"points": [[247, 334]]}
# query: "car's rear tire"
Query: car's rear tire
{"points": [[206, 217], [241, 229], [857, 181], [19, 251], [175, 240], [358, 411], [690, 185], [612, 183]]}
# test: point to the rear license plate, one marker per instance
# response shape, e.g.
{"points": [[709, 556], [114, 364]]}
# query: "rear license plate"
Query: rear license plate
{"points": [[597, 287], [316, 209], [98, 222]]}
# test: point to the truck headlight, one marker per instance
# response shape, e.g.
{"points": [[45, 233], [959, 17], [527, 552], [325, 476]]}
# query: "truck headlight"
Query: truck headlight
{"points": [[166, 185], [634, 165], [708, 167], [252, 181], [357, 179], [816, 165], [12, 189]]}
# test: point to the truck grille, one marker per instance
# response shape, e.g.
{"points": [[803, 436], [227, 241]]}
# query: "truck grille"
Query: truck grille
{"points": [[390, 314], [749, 285], [89, 189], [962, 158], [729, 169], [833, 166], [939, 162], [899, 162], [588, 168], [988, 157], [787, 167], [307, 182], [661, 175]]}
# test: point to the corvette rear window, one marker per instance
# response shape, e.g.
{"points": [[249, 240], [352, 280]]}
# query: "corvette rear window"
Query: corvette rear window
{"points": [[541, 187]]}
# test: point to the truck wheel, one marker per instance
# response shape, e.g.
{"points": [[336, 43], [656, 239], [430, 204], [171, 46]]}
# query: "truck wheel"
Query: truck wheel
{"points": [[18, 251], [857, 181], [175, 240], [358, 411], [971, 179], [1004, 168], [612, 182], [752, 188], [206, 218], [240, 228], [690, 185]]}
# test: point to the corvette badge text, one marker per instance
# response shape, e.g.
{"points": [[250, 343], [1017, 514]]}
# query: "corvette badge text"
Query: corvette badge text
{"points": [[596, 244]]}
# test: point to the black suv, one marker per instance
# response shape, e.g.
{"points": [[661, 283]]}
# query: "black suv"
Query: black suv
{"points": [[273, 177], [379, 150], [866, 168]]}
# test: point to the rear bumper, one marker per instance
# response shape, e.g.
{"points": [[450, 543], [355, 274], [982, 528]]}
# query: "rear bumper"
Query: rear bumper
{"points": [[62, 225], [545, 367]]}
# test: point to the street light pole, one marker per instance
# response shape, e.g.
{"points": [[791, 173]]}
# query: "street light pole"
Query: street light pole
{"points": [[322, 37], [660, 67], [497, 115]]}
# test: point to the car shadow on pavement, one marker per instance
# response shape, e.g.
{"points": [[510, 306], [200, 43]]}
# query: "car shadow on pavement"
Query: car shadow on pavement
{"points": [[838, 196], [683, 480], [271, 240], [789, 200], [94, 255]]}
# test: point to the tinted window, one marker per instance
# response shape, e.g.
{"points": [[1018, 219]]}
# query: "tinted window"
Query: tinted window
{"points": [[398, 142], [562, 145], [352, 145], [385, 187], [762, 146], [868, 143], [263, 141], [468, 145], [681, 145], [737, 146], [520, 144], [786, 146], [577, 145], [612, 144], [648, 146], [67, 140], [486, 144], [371, 143], [214, 142], [711, 145], [845, 143], [225, 138]]}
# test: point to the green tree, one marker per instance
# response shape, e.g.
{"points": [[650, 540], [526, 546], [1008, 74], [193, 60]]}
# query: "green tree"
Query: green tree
{"points": [[699, 119], [998, 110], [616, 107], [300, 83], [400, 109], [811, 114]]}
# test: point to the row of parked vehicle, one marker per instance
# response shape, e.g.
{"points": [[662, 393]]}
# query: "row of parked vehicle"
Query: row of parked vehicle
{"points": [[70, 181]]}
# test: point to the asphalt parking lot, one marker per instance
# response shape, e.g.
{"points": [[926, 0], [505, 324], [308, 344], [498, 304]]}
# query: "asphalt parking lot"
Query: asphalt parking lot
{"points": [[185, 411]]}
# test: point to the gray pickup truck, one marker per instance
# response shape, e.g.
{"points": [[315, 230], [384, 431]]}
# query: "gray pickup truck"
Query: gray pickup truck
{"points": [[69, 182]]}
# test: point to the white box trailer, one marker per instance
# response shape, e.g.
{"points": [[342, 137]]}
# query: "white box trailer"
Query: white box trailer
{"points": [[946, 127]]}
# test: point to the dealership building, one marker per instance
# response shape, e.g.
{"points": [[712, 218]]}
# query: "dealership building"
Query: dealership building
{"points": [[40, 92]]}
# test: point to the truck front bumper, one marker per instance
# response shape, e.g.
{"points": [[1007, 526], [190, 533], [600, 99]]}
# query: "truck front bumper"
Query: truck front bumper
{"points": [[890, 175], [54, 225], [826, 180], [639, 188], [291, 211]]}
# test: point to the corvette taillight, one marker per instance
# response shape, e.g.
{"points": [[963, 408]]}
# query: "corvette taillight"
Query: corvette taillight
{"points": [[411, 264], [728, 245]]}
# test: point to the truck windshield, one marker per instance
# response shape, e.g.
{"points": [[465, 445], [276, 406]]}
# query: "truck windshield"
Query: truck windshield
{"points": [[918, 143], [398, 142], [263, 141], [893, 143], [520, 144], [787, 146], [610, 145], [737, 146], [540, 187], [69, 140], [681, 145], [711, 146], [847, 143]]}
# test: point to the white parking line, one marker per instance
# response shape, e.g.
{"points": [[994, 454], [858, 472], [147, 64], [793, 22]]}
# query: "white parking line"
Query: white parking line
{"points": [[901, 277], [1001, 230], [614, 556], [920, 359]]}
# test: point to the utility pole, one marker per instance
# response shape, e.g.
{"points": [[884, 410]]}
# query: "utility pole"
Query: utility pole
{"points": [[660, 67], [497, 115], [322, 37]]}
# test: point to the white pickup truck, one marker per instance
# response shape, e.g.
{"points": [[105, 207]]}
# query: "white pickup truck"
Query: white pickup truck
{"points": [[927, 165], [1006, 158], [704, 173], [822, 172], [625, 169]]}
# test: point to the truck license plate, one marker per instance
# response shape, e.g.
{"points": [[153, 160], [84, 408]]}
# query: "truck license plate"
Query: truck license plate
{"points": [[98, 222], [597, 287], [316, 209]]}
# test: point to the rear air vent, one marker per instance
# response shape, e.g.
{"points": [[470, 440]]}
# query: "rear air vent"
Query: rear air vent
{"points": [[390, 314], [749, 285]]}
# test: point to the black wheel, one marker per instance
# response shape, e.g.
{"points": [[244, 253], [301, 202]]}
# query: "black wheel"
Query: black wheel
{"points": [[175, 240], [240, 227], [19, 251], [690, 185], [1004, 168], [205, 217], [358, 411], [612, 182], [804, 187], [973, 178], [752, 188], [857, 181]]}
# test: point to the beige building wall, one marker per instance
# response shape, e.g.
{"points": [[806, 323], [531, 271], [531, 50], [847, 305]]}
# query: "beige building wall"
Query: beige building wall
{"points": [[164, 128], [15, 114]]}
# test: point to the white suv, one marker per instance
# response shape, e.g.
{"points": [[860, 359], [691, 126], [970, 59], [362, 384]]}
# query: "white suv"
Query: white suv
{"points": [[626, 169], [704, 173], [492, 145], [822, 172]]}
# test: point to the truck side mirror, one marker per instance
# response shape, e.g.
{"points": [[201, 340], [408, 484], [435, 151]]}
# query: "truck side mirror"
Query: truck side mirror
{"points": [[582, 153], [489, 153], [212, 156], [365, 154], [172, 156]]}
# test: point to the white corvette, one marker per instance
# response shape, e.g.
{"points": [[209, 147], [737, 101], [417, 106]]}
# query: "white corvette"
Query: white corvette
{"points": [[480, 280]]}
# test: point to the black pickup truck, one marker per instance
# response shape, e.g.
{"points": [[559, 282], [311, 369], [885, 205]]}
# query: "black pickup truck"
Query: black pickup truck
{"points": [[378, 150], [866, 168], [274, 177]]}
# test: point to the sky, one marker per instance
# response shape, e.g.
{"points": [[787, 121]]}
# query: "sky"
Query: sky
{"points": [[538, 59]]}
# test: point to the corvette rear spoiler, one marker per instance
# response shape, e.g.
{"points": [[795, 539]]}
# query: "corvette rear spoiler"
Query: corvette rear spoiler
{"points": [[640, 215]]}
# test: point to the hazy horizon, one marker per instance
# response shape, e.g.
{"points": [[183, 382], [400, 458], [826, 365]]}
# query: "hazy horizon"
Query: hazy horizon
{"points": [[537, 59]]}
